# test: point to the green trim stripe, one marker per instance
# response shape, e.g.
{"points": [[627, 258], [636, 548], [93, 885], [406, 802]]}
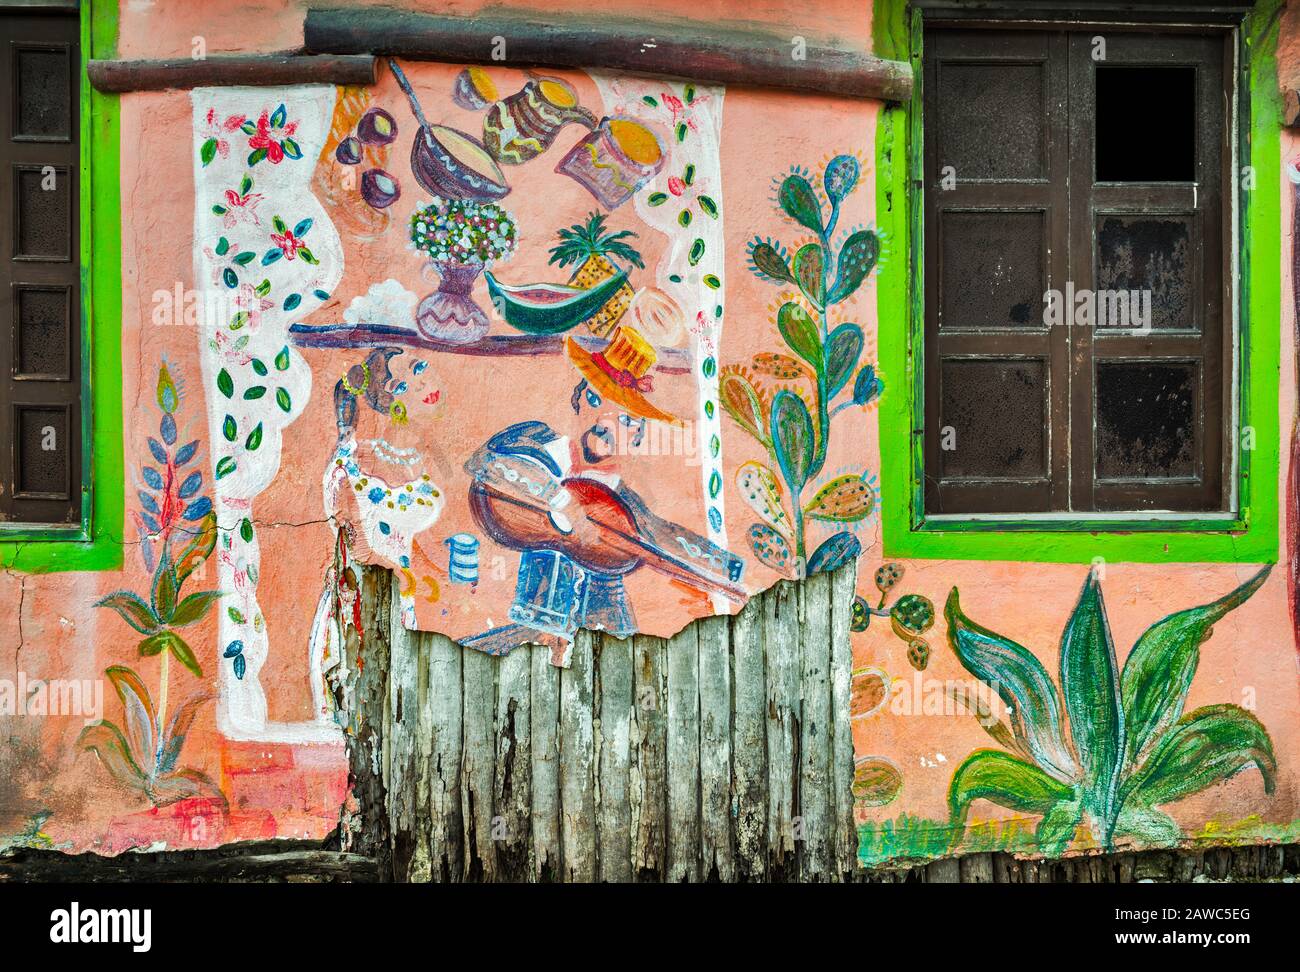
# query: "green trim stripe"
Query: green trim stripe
{"points": [[1253, 536], [98, 544]]}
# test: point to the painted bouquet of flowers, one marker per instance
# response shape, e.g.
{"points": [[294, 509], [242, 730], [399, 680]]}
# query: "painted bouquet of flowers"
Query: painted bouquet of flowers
{"points": [[463, 231], [460, 237]]}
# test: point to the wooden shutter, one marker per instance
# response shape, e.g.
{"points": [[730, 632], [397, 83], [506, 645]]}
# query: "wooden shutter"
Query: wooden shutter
{"points": [[40, 299], [1026, 191]]}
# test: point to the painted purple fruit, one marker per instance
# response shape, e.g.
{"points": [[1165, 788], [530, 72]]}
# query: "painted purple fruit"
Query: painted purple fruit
{"points": [[377, 127], [349, 151], [379, 188]]}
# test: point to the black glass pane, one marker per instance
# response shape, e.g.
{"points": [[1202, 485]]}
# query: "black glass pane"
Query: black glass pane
{"points": [[991, 269], [43, 107], [1148, 259], [42, 454], [991, 121], [1146, 427], [44, 213], [1146, 124], [42, 332], [993, 419]]}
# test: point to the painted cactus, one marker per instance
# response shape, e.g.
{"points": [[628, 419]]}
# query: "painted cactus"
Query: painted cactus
{"points": [[794, 424], [1130, 748]]}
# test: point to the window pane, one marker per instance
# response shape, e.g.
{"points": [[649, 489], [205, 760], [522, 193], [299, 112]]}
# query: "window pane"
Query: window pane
{"points": [[1151, 255], [1146, 420], [43, 108], [44, 213], [991, 121], [996, 411], [992, 272], [42, 331], [42, 452], [1146, 124]]}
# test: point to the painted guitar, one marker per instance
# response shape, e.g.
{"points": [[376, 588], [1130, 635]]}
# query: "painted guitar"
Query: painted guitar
{"points": [[520, 503]]}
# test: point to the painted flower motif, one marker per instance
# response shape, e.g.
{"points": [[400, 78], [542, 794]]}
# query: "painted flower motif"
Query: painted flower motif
{"points": [[289, 243], [271, 137], [251, 301], [215, 142], [241, 209], [227, 260], [231, 347]]}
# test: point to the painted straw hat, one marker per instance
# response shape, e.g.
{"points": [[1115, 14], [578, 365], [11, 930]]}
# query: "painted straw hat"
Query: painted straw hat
{"points": [[621, 373]]}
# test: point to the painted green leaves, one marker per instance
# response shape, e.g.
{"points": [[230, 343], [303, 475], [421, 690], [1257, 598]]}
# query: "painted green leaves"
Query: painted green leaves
{"points": [[857, 258], [800, 333], [1090, 682], [166, 610], [800, 203], [825, 361], [843, 348], [1135, 749], [1003, 779], [1158, 672], [793, 439], [254, 393], [1021, 682]]}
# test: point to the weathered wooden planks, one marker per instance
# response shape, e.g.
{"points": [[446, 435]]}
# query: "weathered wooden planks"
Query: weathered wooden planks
{"points": [[723, 753]]}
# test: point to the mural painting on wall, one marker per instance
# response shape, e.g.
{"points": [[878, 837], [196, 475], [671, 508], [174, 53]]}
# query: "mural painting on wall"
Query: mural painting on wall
{"points": [[526, 401], [504, 334]]}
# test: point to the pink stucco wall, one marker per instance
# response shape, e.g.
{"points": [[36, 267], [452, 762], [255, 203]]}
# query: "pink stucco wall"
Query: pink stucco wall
{"points": [[295, 785]]}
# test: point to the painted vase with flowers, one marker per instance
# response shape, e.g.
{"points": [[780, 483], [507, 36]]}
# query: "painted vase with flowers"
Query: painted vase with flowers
{"points": [[460, 238]]}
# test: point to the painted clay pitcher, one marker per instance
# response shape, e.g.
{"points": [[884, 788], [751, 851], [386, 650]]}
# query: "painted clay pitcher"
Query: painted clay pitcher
{"points": [[524, 125], [615, 160]]}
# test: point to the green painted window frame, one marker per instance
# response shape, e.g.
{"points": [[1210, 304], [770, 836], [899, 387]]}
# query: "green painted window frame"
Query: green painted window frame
{"points": [[1249, 536], [96, 543]]}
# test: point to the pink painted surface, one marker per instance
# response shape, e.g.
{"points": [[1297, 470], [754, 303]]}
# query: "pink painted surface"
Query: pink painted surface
{"points": [[279, 781]]}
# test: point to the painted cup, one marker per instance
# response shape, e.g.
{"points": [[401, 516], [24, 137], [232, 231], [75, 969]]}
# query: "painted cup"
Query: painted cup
{"points": [[615, 160]]}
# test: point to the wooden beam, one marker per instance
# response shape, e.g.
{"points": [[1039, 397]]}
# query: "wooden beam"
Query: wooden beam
{"points": [[1291, 108], [232, 69], [718, 52]]}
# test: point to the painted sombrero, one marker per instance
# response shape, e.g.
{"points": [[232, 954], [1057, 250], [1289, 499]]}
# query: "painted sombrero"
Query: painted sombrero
{"points": [[621, 373]]}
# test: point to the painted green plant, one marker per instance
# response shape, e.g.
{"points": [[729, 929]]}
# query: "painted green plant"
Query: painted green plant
{"points": [[1130, 749], [143, 758], [177, 521], [794, 424]]}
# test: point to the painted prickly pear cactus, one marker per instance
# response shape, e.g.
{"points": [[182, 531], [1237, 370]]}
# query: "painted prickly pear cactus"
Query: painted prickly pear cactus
{"points": [[821, 376], [910, 616], [1130, 749]]}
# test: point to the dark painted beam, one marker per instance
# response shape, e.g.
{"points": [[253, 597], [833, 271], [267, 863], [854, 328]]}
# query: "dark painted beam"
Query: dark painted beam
{"points": [[722, 53], [1291, 108], [232, 69]]}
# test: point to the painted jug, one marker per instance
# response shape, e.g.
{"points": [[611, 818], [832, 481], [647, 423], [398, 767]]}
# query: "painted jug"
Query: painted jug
{"points": [[524, 125]]}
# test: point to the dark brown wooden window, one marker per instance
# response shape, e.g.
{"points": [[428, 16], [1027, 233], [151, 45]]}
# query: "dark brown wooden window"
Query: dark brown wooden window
{"points": [[40, 298], [1093, 165]]}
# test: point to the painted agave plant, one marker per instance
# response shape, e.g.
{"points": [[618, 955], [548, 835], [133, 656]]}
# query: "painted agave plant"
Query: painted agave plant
{"points": [[143, 757], [1130, 748]]}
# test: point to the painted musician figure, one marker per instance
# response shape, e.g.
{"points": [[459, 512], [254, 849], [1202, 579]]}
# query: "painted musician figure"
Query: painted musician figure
{"points": [[580, 529]]}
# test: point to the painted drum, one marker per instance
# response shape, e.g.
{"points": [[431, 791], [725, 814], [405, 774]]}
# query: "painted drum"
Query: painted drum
{"points": [[462, 563]]}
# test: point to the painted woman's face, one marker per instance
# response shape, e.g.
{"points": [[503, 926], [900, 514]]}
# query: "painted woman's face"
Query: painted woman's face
{"points": [[399, 438]]}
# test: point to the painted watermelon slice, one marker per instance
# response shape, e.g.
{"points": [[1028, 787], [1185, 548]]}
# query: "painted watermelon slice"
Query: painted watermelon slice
{"points": [[547, 308]]}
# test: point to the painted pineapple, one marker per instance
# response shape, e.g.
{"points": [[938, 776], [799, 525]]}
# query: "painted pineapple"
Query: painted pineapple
{"points": [[591, 248]]}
